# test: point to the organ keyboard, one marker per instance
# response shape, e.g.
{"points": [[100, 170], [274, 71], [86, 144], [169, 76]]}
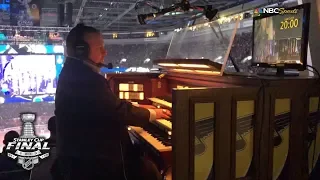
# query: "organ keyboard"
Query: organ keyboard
{"points": [[156, 137], [157, 102], [164, 124], [158, 142]]}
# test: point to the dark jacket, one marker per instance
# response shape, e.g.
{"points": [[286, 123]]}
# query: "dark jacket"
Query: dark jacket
{"points": [[43, 170], [91, 120], [10, 170]]}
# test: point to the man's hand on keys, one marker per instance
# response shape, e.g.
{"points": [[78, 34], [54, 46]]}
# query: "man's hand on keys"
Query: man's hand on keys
{"points": [[163, 113]]}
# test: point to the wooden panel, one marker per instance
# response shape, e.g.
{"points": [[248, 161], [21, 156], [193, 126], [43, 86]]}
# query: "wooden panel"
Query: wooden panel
{"points": [[224, 152], [180, 135], [222, 133], [296, 147], [222, 103], [246, 133], [202, 113], [159, 87], [286, 133], [239, 80], [263, 134], [312, 135]]}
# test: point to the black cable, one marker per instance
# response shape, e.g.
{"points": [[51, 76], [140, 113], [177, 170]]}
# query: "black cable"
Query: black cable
{"points": [[314, 70], [264, 83], [234, 63]]}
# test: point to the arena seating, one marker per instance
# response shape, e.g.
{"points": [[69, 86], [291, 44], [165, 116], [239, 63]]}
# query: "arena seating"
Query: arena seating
{"points": [[135, 54]]}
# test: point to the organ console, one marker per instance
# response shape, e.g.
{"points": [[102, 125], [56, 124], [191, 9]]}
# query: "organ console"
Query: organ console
{"points": [[224, 126], [208, 110]]}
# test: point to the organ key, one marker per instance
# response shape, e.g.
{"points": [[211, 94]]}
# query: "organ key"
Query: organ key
{"points": [[159, 143]]}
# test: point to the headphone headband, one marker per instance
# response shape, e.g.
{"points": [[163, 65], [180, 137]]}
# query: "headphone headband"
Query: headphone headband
{"points": [[81, 48]]}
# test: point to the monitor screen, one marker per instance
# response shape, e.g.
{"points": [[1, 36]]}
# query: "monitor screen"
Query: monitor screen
{"points": [[278, 39], [28, 74]]}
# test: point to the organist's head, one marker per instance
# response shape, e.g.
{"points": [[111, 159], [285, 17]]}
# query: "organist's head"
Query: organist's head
{"points": [[85, 43]]}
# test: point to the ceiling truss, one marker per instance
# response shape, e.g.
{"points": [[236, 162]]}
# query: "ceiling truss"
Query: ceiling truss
{"points": [[120, 15]]}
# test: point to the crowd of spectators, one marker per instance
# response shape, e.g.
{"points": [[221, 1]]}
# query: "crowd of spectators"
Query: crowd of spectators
{"points": [[142, 55], [241, 50], [9, 113], [135, 55]]}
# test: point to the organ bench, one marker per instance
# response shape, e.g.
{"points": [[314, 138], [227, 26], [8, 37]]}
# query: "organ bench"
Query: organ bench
{"points": [[228, 127]]}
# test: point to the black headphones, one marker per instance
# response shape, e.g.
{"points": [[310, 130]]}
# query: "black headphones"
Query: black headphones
{"points": [[81, 48]]}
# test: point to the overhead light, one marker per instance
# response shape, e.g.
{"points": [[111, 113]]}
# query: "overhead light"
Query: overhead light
{"points": [[114, 35], [197, 66], [246, 59], [167, 64], [197, 71], [105, 9], [208, 72], [194, 65], [123, 60], [183, 70], [184, 65], [2, 100], [218, 58], [147, 60]]}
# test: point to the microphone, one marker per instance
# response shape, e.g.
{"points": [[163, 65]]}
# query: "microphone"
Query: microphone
{"points": [[143, 17], [109, 65], [184, 5], [99, 65]]}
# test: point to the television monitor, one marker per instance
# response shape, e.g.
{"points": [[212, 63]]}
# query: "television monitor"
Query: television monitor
{"points": [[28, 74], [281, 40]]}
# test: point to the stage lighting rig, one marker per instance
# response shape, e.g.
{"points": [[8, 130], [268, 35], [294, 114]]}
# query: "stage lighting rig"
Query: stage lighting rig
{"points": [[183, 6]]}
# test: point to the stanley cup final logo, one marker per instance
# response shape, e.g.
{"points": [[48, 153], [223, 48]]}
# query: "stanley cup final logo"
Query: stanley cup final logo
{"points": [[28, 149]]}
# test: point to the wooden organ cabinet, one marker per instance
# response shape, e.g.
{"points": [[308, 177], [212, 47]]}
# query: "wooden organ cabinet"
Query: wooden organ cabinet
{"points": [[228, 127]]}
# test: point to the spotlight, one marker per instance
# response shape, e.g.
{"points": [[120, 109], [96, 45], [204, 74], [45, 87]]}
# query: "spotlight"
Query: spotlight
{"points": [[141, 18], [210, 13], [247, 15], [185, 5]]}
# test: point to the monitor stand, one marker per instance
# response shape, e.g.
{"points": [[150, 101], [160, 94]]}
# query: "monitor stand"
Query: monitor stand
{"points": [[280, 73]]}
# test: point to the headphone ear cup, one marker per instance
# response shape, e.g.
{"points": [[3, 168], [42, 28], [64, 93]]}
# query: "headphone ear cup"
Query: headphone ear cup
{"points": [[82, 50]]}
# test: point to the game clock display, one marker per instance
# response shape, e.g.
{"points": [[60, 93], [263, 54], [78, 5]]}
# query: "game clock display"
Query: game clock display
{"points": [[278, 39], [289, 23]]}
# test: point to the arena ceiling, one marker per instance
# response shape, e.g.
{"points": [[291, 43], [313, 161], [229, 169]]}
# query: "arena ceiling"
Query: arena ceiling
{"points": [[120, 15]]}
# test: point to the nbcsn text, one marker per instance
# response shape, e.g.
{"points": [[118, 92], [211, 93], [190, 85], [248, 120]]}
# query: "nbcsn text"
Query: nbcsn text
{"points": [[274, 10]]}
